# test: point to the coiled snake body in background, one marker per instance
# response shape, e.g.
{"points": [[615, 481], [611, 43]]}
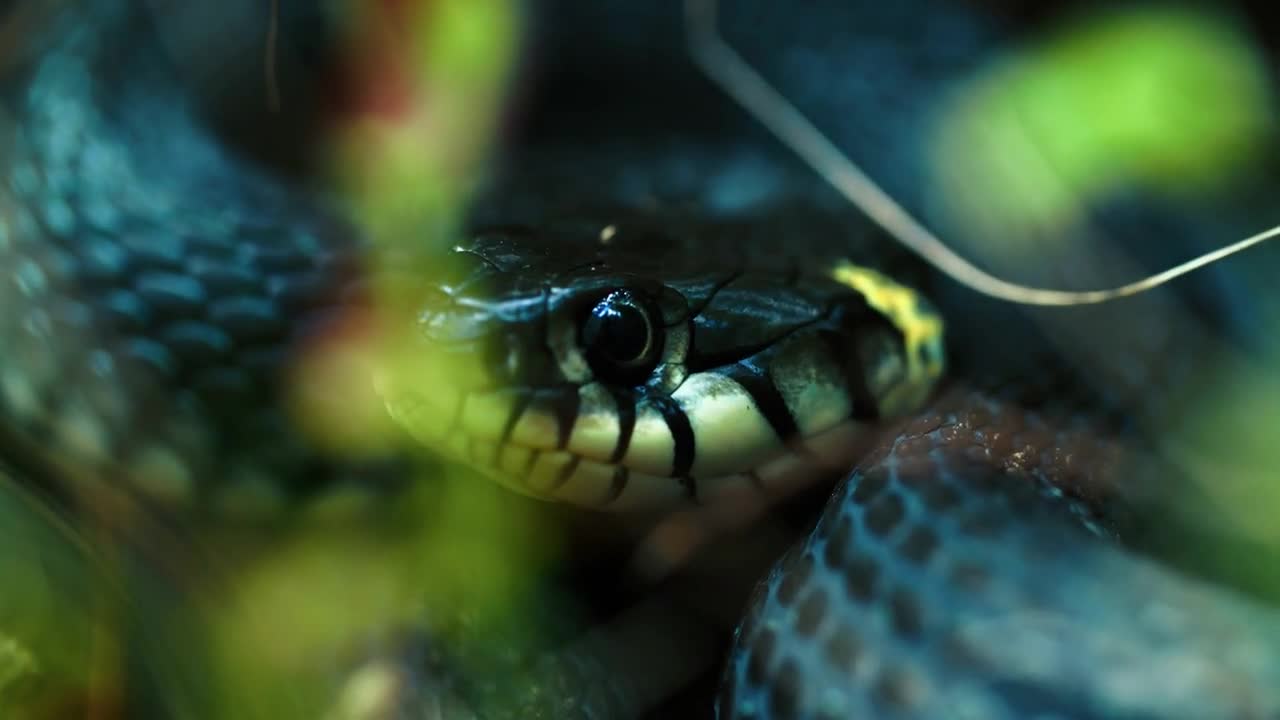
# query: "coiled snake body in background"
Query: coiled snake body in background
{"points": [[654, 311]]}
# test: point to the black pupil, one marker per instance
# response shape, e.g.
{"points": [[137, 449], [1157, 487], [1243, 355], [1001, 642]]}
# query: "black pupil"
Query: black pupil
{"points": [[617, 330]]}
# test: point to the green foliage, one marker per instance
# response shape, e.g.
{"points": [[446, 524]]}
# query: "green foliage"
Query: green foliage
{"points": [[1170, 100]]}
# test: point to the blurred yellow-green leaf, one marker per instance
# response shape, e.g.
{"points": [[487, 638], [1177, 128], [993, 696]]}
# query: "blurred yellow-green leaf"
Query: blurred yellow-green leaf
{"points": [[1168, 99], [429, 80], [289, 627], [52, 611]]}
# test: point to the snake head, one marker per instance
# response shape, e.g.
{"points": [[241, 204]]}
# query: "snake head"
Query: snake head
{"points": [[616, 366]]}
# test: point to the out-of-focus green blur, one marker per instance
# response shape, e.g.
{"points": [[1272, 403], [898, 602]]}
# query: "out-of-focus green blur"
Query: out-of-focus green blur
{"points": [[1172, 100], [430, 80], [56, 612]]}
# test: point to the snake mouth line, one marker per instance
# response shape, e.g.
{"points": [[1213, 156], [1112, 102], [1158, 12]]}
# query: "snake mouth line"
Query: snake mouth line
{"points": [[536, 465]]}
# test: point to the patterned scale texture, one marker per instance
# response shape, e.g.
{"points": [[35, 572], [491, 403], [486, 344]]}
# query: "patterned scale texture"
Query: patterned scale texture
{"points": [[941, 584], [156, 290]]}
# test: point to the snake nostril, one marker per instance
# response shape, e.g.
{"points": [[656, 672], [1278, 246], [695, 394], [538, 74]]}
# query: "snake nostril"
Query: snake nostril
{"points": [[452, 323], [433, 299]]}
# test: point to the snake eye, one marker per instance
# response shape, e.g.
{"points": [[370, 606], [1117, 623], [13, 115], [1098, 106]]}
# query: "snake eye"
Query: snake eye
{"points": [[620, 339]]}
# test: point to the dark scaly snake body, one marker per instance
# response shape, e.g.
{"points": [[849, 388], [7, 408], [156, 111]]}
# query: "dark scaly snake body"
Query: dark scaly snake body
{"points": [[154, 286], [172, 284], [894, 606]]}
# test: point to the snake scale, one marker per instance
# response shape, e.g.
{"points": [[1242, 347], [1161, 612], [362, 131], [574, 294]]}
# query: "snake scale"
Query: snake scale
{"points": [[659, 308]]}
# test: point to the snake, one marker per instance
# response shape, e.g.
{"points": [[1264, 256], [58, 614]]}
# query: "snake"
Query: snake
{"points": [[636, 319]]}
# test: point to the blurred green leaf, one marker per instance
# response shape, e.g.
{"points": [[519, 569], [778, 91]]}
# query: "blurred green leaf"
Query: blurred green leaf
{"points": [[1172, 100]]}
